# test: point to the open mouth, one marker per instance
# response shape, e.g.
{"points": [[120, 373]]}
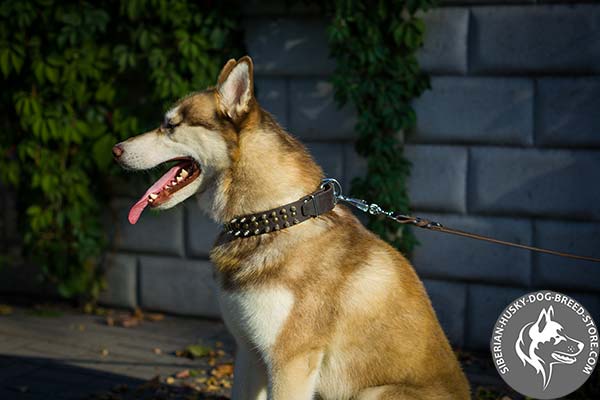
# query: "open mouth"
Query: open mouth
{"points": [[176, 178], [563, 358]]}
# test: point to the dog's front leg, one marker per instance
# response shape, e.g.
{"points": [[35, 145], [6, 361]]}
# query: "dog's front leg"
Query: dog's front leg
{"points": [[296, 379], [249, 376]]}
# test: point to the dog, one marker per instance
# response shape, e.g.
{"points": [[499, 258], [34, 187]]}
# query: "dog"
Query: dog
{"points": [[324, 308], [542, 344]]}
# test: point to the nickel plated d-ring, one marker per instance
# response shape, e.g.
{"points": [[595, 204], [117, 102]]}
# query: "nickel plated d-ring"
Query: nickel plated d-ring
{"points": [[337, 188]]}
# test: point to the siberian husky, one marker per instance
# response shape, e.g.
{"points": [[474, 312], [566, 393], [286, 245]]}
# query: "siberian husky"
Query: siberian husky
{"points": [[323, 309]]}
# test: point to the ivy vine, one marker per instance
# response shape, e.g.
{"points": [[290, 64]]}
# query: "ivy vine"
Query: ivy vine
{"points": [[78, 77], [374, 45]]}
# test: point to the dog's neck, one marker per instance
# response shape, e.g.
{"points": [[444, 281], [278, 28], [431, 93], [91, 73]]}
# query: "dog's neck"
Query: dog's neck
{"points": [[269, 169]]}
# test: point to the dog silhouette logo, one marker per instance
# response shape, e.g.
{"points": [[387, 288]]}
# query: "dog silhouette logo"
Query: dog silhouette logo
{"points": [[545, 345]]}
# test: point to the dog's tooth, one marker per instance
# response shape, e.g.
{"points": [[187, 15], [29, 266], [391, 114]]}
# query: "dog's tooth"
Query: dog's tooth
{"points": [[153, 196], [173, 183], [183, 173], [179, 179], [150, 200]]}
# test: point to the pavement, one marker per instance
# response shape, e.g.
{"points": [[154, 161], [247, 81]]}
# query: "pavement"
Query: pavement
{"points": [[59, 353], [67, 354]]}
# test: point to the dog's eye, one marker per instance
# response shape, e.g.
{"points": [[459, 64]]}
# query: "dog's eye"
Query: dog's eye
{"points": [[169, 126]]}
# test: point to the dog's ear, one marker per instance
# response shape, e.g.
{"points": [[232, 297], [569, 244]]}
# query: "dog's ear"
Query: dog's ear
{"points": [[235, 88]]}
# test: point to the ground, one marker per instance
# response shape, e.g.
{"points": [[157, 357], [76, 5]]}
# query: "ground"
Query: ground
{"points": [[55, 352]]}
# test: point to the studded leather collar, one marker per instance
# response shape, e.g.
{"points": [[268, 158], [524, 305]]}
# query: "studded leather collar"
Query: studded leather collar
{"points": [[276, 219]]}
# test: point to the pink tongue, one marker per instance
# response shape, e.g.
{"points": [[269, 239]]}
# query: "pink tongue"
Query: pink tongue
{"points": [[136, 210]]}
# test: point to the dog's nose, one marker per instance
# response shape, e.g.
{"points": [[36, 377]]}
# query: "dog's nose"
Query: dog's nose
{"points": [[117, 150]]}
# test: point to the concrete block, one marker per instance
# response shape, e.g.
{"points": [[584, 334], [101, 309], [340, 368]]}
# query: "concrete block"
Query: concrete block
{"points": [[449, 300], [445, 256], [288, 46], [484, 305], [534, 182], [330, 156], [572, 237], [354, 166], [178, 286], [121, 280], [272, 95], [567, 112], [438, 177], [314, 114], [445, 47], [158, 232], [475, 110], [544, 39], [201, 231]]}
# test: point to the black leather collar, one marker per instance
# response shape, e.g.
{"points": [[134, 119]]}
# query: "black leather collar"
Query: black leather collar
{"points": [[276, 219]]}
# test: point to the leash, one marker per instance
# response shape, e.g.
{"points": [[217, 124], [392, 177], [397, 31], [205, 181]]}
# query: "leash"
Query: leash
{"points": [[374, 209]]}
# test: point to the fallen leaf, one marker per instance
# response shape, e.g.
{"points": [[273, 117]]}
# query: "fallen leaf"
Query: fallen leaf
{"points": [[194, 351], [170, 380], [104, 352], [222, 370], [5, 309], [157, 351], [130, 322], [183, 374], [219, 344], [154, 317], [152, 384]]}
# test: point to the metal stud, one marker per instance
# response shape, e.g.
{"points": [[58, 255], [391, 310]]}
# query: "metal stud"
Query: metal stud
{"points": [[267, 229], [237, 233], [253, 218], [283, 211], [256, 231], [295, 221], [293, 213], [284, 216], [286, 224], [275, 219], [255, 224], [293, 208], [246, 233], [276, 227], [273, 214], [266, 222], [245, 226], [233, 221], [243, 220], [264, 216]]}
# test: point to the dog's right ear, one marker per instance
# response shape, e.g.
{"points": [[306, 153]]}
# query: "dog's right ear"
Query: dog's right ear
{"points": [[235, 88]]}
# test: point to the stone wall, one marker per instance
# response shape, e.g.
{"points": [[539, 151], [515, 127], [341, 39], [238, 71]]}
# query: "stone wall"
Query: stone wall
{"points": [[508, 145]]}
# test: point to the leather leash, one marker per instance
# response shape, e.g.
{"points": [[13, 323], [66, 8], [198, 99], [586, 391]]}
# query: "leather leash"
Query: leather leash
{"points": [[324, 200], [374, 209]]}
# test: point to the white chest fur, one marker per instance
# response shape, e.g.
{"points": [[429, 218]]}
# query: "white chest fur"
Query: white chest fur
{"points": [[256, 316]]}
